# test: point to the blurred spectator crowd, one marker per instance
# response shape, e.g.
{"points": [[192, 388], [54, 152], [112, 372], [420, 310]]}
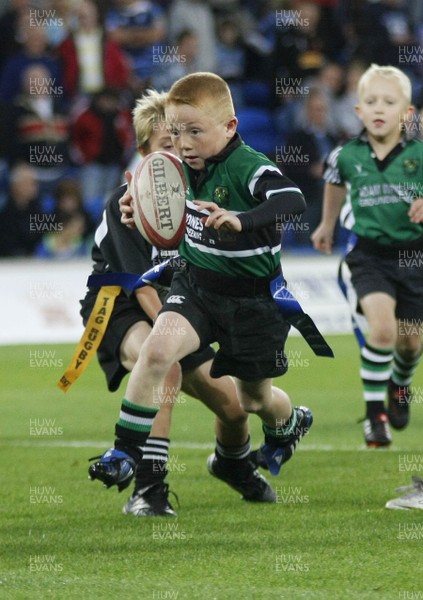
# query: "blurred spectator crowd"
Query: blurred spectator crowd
{"points": [[71, 70]]}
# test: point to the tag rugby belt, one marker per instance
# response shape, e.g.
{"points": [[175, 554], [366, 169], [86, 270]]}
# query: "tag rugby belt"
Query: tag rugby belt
{"points": [[111, 284]]}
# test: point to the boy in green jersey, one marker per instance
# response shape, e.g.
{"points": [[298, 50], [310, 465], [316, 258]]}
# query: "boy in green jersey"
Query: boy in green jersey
{"points": [[236, 201], [119, 249], [374, 183]]}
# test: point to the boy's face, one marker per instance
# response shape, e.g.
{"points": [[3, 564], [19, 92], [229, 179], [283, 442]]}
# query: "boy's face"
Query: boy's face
{"points": [[159, 140], [382, 107], [196, 135]]}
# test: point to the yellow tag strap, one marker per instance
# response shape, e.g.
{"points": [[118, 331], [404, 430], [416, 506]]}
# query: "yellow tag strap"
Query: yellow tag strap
{"points": [[92, 336]]}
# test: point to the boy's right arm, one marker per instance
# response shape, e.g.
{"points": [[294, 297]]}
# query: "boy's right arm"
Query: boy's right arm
{"points": [[149, 300], [333, 199]]}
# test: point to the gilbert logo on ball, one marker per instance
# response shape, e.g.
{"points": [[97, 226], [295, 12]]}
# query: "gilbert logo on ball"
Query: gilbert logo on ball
{"points": [[158, 189]]}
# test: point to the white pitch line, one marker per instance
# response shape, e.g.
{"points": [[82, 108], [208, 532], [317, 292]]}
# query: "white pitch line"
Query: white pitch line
{"points": [[190, 445]]}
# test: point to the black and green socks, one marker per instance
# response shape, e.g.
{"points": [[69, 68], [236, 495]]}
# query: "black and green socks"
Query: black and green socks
{"points": [[403, 369], [134, 423]]}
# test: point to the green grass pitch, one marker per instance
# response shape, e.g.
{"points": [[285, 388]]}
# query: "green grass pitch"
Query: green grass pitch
{"points": [[329, 536]]}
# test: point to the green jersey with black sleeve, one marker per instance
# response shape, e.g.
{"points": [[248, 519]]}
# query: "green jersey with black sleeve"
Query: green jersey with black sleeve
{"points": [[378, 192], [248, 184]]}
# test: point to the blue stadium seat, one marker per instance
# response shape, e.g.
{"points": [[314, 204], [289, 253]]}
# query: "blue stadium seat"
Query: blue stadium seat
{"points": [[257, 129], [257, 93]]}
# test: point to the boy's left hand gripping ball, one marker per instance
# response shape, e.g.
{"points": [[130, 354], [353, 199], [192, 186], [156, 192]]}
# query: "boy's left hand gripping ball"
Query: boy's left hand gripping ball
{"points": [[158, 189]]}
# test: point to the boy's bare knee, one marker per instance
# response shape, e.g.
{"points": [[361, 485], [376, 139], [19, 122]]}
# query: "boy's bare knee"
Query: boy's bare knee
{"points": [[409, 349], [384, 335], [250, 405], [234, 418], [156, 359]]}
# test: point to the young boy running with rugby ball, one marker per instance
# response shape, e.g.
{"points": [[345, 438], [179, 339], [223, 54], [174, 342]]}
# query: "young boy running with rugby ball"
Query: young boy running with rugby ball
{"points": [[374, 182], [119, 249], [232, 247]]}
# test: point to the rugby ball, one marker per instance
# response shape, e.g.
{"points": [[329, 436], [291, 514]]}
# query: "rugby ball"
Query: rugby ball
{"points": [[158, 198]]}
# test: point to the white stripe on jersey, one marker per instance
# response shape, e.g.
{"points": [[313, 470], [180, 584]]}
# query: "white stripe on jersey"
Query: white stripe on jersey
{"points": [[282, 190], [258, 174], [235, 253], [101, 231], [154, 254], [331, 174], [346, 216]]}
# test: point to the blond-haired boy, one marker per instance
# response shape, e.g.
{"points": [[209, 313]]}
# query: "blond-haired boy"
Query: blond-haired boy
{"points": [[374, 183], [119, 249], [236, 199]]}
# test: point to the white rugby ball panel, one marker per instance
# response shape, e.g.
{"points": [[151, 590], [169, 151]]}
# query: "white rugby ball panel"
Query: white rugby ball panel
{"points": [[158, 190]]}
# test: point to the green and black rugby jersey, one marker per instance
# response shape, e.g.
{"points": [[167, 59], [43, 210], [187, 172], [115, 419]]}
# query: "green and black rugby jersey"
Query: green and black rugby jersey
{"points": [[248, 184], [378, 192]]}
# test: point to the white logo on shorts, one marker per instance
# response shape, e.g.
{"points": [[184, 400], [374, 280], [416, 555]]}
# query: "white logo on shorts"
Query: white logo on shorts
{"points": [[175, 299]]}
